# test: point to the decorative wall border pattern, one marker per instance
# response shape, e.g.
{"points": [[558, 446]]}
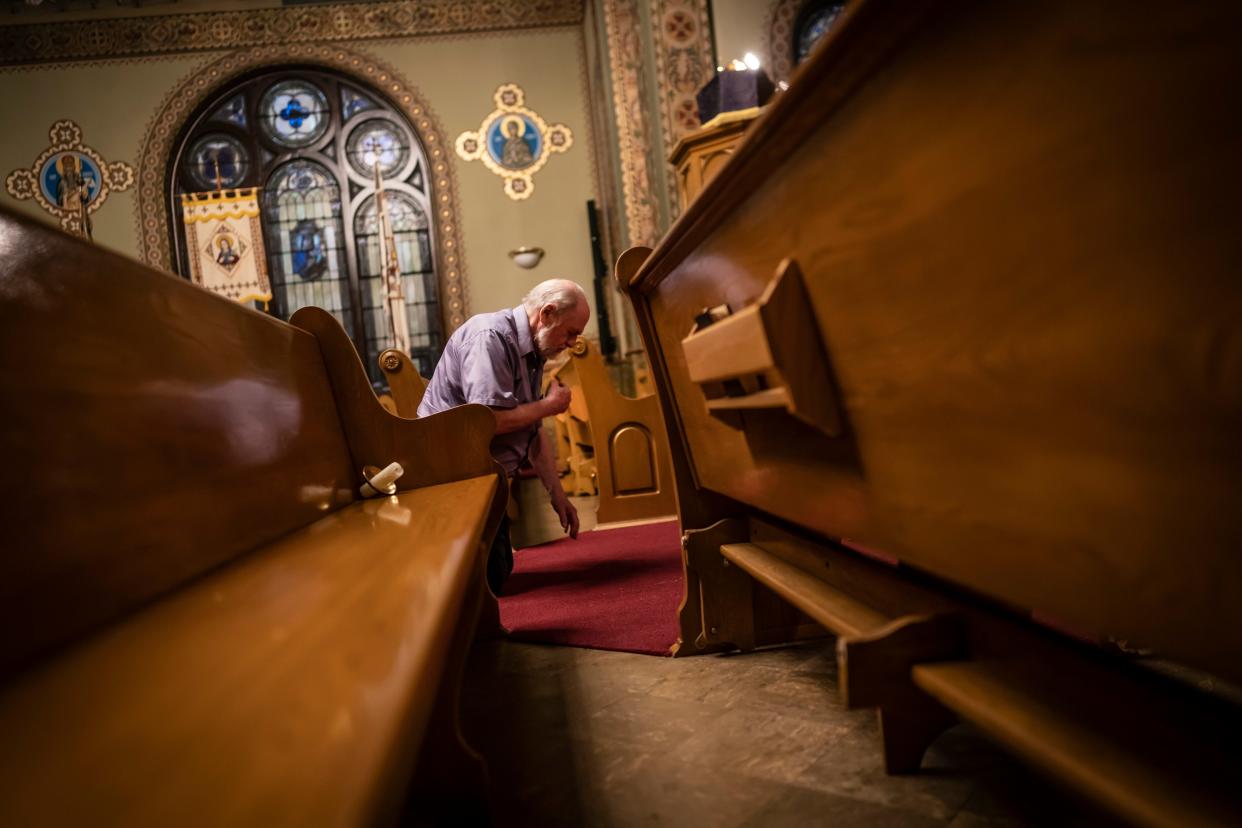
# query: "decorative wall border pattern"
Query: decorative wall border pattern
{"points": [[778, 24], [186, 96], [208, 31], [625, 50], [681, 33]]}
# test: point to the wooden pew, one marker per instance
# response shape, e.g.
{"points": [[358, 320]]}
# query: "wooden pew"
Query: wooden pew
{"points": [[571, 429], [203, 622], [968, 294], [629, 440]]}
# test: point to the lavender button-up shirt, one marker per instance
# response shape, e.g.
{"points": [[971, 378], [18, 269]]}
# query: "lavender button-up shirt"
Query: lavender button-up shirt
{"points": [[490, 360]]}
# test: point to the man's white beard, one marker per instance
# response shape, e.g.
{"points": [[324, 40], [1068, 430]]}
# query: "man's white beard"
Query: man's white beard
{"points": [[543, 343]]}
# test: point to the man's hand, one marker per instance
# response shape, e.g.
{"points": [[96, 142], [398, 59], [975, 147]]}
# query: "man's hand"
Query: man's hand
{"points": [[565, 511], [557, 398]]}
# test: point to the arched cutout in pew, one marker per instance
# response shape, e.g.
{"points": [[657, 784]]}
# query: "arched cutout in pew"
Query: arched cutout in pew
{"points": [[190, 581]]}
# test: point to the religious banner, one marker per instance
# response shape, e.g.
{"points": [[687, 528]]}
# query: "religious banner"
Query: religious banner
{"points": [[225, 243]]}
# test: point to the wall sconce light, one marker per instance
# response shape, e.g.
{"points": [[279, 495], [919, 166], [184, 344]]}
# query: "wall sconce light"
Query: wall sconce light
{"points": [[526, 257]]}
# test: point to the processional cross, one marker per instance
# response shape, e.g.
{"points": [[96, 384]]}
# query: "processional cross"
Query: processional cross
{"points": [[390, 269]]}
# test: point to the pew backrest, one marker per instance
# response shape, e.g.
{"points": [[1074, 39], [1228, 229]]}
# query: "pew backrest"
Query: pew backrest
{"points": [[150, 431]]}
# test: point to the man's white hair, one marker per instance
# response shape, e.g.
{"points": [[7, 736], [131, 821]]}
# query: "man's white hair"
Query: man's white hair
{"points": [[562, 293]]}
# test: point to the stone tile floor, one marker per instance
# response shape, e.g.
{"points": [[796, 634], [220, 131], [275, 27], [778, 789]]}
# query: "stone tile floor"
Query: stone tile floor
{"points": [[589, 738]]}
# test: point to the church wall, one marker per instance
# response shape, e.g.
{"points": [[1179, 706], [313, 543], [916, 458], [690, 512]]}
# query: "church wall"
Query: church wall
{"points": [[456, 75], [739, 27], [458, 78], [111, 102]]}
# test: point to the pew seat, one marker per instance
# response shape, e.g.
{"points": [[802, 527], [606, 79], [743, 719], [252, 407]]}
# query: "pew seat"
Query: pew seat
{"points": [[279, 690]]}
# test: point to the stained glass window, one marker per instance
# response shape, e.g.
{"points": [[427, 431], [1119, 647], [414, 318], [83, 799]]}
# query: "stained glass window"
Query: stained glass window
{"points": [[412, 239], [813, 23], [310, 140], [218, 155], [302, 223], [294, 113]]}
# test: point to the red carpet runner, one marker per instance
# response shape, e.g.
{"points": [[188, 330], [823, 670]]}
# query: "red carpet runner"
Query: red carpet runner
{"points": [[612, 589]]}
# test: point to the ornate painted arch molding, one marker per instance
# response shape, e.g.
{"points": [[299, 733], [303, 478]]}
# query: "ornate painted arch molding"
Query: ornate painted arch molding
{"points": [[157, 147], [782, 15]]}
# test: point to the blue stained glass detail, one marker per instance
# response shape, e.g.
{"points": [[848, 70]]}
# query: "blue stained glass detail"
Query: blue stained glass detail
{"points": [[222, 151], [310, 261], [817, 24], [233, 111], [295, 113], [352, 103], [303, 228]]}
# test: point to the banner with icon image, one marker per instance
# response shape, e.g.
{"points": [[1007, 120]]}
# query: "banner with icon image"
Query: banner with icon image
{"points": [[225, 242]]}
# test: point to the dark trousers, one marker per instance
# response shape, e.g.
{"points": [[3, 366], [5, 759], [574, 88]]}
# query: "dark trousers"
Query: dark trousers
{"points": [[500, 558]]}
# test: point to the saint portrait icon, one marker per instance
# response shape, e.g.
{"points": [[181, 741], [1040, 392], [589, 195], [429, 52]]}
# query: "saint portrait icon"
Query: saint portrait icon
{"points": [[226, 256], [226, 249], [514, 143]]}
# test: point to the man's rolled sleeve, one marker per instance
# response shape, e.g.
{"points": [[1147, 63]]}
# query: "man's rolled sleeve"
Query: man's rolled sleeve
{"points": [[487, 375]]}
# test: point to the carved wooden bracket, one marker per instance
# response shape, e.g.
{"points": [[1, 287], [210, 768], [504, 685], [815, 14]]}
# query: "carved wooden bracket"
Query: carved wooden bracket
{"points": [[766, 356], [874, 671]]}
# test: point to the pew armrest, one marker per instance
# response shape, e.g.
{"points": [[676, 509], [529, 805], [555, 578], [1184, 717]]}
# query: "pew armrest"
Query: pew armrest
{"points": [[452, 445]]}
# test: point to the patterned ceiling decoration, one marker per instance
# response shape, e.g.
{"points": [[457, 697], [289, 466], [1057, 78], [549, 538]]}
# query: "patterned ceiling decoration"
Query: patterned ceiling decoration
{"points": [[172, 33], [186, 96], [683, 47], [69, 179], [514, 142], [634, 133]]}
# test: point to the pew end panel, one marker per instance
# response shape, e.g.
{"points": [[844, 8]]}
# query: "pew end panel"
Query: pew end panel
{"points": [[447, 446], [633, 471]]}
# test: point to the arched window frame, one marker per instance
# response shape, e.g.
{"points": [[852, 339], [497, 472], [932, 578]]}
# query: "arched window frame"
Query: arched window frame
{"points": [[833, 8], [355, 190]]}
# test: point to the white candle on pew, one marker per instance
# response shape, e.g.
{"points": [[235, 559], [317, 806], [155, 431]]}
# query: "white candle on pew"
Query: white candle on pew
{"points": [[381, 481]]}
